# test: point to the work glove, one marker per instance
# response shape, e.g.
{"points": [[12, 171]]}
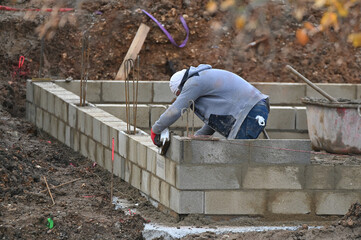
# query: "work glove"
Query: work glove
{"points": [[155, 138]]}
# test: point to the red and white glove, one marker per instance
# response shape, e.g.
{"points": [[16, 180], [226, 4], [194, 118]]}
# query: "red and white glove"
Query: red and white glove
{"points": [[155, 138]]}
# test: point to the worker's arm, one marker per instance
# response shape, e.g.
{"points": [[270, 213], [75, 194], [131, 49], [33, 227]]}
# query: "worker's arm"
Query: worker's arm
{"points": [[205, 130], [191, 91]]}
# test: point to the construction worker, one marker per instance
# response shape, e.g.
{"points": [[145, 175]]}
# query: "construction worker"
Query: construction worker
{"points": [[225, 102]]}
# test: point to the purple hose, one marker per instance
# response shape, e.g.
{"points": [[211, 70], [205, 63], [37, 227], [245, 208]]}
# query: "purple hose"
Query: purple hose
{"points": [[167, 33]]}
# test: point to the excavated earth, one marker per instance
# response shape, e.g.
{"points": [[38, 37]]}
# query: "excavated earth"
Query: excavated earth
{"points": [[82, 208]]}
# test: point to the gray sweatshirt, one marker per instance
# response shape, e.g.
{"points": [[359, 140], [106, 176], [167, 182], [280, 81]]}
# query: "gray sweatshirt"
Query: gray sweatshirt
{"points": [[222, 101]]}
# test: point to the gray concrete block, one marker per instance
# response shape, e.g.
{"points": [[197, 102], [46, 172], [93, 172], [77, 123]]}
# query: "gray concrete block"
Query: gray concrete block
{"points": [[214, 152], [283, 93], [280, 151], [127, 170], [46, 122], [192, 177], [119, 166], [155, 112], [76, 141], [30, 112], [164, 193], [235, 202], [61, 109], [160, 167], [97, 130], [92, 146], [29, 91], [123, 144], [301, 118], [348, 177], [51, 103], [290, 203], [37, 94], [93, 93], [39, 117], [358, 95], [320, 177], [274, 177], [186, 202], [152, 159], [136, 176], [336, 90], [132, 149], [108, 159], [290, 134], [88, 129], [145, 185], [105, 139], [175, 151], [114, 91], [44, 99], [61, 131], [100, 154], [335, 203], [162, 92], [282, 118], [73, 86], [142, 155], [155, 188], [170, 172], [83, 145], [68, 136], [53, 126], [72, 115]]}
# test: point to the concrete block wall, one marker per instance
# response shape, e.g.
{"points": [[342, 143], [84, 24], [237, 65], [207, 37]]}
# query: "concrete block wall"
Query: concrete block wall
{"points": [[242, 177]]}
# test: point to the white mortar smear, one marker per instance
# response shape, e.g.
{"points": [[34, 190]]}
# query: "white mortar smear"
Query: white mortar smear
{"points": [[152, 231]]}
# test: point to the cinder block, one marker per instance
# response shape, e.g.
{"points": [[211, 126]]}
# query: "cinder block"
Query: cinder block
{"points": [[61, 109], [119, 166], [273, 177], [186, 202], [152, 159], [72, 115], [67, 136], [92, 149], [235, 202], [336, 90], [145, 186], [83, 145], [320, 177], [46, 122], [175, 151], [136, 176], [120, 111], [37, 94], [114, 91], [114, 133], [192, 177], [39, 118], [105, 130], [155, 112], [348, 177], [127, 170], [280, 151], [162, 92], [61, 131], [29, 91], [53, 126], [51, 103], [301, 118], [123, 143], [283, 93], [132, 149], [170, 172], [282, 118], [73, 86], [335, 203], [164, 193], [290, 134], [76, 145], [214, 152], [290, 203], [88, 129], [155, 188], [44, 99], [358, 95], [93, 92], [100, 154], [142, 154], [30, 112], [108, 159], [97, 130], [160, 167]]}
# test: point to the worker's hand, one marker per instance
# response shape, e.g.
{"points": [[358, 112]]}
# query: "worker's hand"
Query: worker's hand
{"points": [[155, 138]]}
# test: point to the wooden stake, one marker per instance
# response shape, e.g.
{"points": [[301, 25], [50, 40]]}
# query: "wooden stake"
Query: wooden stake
{"points": [[47, 186], [61, 185], [134, 49]]}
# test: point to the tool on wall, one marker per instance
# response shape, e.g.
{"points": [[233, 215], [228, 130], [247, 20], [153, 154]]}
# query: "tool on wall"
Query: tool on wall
{"points": [[165, 141], [129, 66]]}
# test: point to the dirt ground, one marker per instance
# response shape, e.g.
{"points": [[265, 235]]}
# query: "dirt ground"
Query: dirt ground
{"points": [[82, 208]]}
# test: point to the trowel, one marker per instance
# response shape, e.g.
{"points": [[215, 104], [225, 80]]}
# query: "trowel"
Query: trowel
{"points": [[165, 141]]}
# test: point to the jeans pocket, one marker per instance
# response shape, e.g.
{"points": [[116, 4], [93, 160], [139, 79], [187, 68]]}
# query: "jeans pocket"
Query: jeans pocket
{"points": [[255, 126], [221, 123]]}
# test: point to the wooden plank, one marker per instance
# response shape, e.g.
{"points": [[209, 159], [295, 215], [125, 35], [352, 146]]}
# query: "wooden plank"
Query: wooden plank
{"points": [[134, 49]]}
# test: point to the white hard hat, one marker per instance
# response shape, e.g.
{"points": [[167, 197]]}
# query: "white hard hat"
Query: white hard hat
{"points": [[175, 80]]}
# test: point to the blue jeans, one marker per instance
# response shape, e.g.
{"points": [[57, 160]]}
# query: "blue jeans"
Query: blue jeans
{"points": [[255, 121]]}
